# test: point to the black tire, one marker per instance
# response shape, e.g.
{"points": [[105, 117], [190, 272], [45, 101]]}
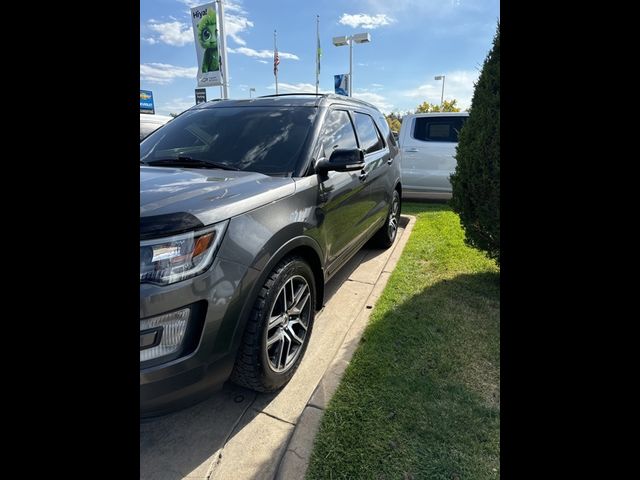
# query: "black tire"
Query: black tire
{"points": [[387, 234], [256, 364]]}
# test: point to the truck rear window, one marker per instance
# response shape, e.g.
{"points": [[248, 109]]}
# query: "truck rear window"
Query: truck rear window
{"points": [[438, 129]]}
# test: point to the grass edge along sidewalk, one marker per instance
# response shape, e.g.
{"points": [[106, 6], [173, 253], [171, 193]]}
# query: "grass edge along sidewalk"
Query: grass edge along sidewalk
{"points": [[421, 398]]}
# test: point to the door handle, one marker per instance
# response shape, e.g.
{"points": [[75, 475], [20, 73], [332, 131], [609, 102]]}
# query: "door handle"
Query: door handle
{"points": [[390, 161], [363, 176], [411, 150]]}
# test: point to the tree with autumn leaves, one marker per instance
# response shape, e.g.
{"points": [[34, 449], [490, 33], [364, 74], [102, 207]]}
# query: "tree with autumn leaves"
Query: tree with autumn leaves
{"points": [[447, 106], [395, 119]]}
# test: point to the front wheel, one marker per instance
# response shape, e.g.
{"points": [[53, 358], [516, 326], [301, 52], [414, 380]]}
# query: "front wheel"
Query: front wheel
{"points": [[279, 328], [385, 237]]}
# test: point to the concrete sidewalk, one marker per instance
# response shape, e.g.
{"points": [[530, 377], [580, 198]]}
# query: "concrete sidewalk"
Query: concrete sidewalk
{"points": [[240, 434]]}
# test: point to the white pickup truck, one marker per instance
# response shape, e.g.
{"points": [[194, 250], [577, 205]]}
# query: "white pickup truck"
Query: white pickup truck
{"points": [[428, 146]]}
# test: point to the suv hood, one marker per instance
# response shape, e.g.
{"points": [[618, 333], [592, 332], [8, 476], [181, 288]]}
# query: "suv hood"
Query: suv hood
{"points": [[211, 195]]}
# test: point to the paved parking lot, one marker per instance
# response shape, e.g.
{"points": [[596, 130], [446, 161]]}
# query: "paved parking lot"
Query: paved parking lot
{"points": [[240, 434]]}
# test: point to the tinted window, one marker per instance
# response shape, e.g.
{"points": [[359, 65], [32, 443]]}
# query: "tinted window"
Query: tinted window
{"points": [[337, 132], [438, 129], [367, 133], [258, 139], [385, 130]]}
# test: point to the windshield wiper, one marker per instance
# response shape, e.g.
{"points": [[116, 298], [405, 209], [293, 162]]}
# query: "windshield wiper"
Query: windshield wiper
{"points": [[190, 163]]}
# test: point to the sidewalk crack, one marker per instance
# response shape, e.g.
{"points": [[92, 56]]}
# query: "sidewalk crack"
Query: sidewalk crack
{"points": [[218, 457], [273, 416], [297, 454]]}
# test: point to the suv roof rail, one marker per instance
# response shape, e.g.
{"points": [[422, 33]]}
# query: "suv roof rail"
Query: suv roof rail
{"points": [[323, 95], [292, 95]]}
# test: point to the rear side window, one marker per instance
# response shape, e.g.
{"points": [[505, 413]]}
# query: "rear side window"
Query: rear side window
{"points": [[337, 133], [370, 140], [385, 130], [438, 129]]}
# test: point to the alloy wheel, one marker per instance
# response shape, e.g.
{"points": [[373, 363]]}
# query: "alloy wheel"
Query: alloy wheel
{"points": [[288, 323], [393, 218]]}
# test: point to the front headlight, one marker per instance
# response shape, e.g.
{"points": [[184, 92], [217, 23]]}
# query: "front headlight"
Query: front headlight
{"points": [[171, 259]]}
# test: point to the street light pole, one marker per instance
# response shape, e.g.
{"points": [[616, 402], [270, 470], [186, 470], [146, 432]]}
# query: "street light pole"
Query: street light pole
{"points": [[441, 77], [223, 49], [351, 66], [251, 90], [348, 40]]}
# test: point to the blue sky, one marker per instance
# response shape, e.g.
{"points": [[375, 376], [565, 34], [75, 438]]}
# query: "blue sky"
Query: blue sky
{"points": [[412, 41]]}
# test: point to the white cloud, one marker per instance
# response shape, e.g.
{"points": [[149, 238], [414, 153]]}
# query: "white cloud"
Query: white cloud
{"points": [[176, 34], [297, 88], [362, 20], [163, 73], [191, 3], [376, 99], [250, 52], [290, 56], [379, 85], [234, 7], [425, 90], [263, 61], [236, 24], [458, 84], [149, 40], [176, 105]]}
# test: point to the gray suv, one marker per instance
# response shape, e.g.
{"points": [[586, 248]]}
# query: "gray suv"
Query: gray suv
{"points": [[247, 208]]}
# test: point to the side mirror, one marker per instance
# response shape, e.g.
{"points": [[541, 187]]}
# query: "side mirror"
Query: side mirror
{"points": [[342, 160]]}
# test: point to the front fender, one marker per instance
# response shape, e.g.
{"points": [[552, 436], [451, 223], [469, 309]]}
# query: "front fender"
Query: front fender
{"points": [[298, 244]]}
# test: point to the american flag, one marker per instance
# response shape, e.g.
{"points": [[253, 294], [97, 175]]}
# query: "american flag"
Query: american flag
{"points": [[276, 61]]}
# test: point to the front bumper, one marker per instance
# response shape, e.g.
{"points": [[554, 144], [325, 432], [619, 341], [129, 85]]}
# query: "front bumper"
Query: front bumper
{"points": [[216, 298]]}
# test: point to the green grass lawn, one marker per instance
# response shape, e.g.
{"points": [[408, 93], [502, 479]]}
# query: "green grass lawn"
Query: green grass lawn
{"points": [[421, 396]]}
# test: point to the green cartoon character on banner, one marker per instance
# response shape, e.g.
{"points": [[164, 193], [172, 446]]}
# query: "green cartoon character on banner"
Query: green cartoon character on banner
{"points": [[209, 41]]}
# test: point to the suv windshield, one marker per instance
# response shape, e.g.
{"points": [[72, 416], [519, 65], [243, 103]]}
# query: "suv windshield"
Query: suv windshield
{"points": [[267, 140]]}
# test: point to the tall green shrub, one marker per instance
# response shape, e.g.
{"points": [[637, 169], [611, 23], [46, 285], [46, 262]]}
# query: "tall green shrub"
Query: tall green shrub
{"points": [[476, 180]]}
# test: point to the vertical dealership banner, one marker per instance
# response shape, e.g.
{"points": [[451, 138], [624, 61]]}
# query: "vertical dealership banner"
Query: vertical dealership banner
{"points": [[205, 32], [201, 95], [146, 102], [342, 84]]}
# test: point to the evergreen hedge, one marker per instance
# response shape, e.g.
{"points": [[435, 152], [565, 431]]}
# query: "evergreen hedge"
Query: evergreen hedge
{"points": [[476, 180]]}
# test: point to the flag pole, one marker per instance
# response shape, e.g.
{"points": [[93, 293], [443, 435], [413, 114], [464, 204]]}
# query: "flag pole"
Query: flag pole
{"points": [[275, 55], [317, 52]]}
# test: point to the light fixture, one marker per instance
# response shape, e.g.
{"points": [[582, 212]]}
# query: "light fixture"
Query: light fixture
{"points": [[340, 41]]}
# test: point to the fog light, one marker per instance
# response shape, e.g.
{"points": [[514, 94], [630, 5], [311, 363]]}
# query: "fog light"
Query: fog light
{"points": [[171, 328]]}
